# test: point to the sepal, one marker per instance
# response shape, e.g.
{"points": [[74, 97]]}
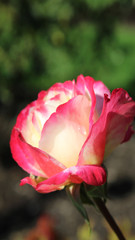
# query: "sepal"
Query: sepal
{"points": [[73, 192], [97, 191]]}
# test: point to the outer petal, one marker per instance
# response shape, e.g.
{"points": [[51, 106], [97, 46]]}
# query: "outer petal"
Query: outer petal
{"points": [[31, 159], [66, 131], [31, 119], [111, 129], [119, 122], [92, 175]]}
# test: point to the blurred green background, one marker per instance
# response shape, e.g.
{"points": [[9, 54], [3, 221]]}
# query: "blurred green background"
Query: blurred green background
{"points": [[46, 41]]}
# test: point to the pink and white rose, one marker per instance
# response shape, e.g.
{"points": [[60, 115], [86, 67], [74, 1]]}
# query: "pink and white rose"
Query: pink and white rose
{"points": [[63, 136]]}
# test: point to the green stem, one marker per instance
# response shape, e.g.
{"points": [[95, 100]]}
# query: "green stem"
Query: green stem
{"points": [[101, 206]]}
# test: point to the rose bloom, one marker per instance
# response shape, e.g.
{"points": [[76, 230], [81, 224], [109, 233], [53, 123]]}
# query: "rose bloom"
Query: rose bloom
{"points": [[63, 136]]}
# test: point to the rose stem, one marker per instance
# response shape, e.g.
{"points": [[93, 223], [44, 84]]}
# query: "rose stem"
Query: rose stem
{"points": [[100, 204]]}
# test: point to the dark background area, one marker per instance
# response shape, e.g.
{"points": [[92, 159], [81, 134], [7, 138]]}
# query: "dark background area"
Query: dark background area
{"points": [[48, 41]]}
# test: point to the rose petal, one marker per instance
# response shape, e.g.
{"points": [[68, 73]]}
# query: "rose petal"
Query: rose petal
{"points": [[100, 89], [92, 175], [31, 119], [32, 159], [29, 180], [66, 130], [85, 86], [65, 90], [111, 128], [119, 121]]}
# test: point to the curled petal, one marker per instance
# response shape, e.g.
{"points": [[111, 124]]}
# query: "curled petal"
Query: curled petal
{"points": [[31, 119], [111, 129], [119, 120], [92, 175], [29, 180], [32, 159]]}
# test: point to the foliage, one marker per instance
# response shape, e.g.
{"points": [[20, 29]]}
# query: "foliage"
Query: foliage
{"points": [[42, 42]]}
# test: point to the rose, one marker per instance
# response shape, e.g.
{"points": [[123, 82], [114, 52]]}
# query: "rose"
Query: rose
{"points": [[63, 136]]}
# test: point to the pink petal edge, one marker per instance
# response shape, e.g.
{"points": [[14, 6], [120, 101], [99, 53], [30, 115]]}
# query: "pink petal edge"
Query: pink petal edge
{"points": [[111, 129], [92, 175], [32, 159]]}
